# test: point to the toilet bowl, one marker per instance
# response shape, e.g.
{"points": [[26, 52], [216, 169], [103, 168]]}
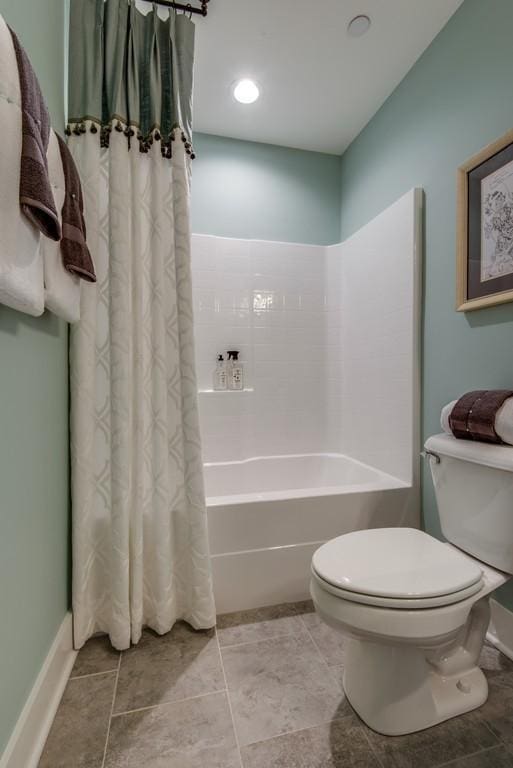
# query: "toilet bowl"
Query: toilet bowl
{"points": [[414, 611]]}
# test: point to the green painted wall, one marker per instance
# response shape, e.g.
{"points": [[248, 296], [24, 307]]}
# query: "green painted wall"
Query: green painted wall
{"points": [[456, 99], [34, 506], [250, 190]]}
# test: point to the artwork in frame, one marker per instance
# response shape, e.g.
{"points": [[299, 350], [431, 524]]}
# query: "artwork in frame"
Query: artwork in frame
{"points": [[485, 227]]}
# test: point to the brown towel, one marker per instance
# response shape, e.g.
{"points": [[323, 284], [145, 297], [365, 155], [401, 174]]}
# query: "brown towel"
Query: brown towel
{"points": [[75, 253], [473, 416], [36, 198]]}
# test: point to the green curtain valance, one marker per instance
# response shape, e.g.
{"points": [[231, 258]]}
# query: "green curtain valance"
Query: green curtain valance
{"points": [[131, 72]]}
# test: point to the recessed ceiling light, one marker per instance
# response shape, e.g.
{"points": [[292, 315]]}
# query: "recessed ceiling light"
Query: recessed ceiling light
{"points": [[246, 91], [359, 26]]}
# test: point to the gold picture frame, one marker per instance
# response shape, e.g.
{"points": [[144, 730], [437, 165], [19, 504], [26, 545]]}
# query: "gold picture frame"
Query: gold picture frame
{"points": [[484, 258]]}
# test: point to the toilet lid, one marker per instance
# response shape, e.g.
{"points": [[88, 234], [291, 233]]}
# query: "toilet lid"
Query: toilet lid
{"points": [[394, 562]]}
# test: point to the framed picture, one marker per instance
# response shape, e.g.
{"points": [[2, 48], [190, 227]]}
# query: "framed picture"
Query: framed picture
{"points": [[484, 275]]}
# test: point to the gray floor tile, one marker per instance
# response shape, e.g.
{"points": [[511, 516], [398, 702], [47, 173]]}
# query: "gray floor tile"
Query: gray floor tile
{"points": [[435, 746], [329, 642], [498, 757], [77, 737], [280, 685], [258, 624], [497, 712], [493, 662], [305, 606], [97, 655], [340, 744], [197, 733], [178, 665], [289, 707], [338, 674]]}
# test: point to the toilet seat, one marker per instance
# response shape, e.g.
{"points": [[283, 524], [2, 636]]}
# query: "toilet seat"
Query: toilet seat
{"points": [[396, 568], [404, 603]]}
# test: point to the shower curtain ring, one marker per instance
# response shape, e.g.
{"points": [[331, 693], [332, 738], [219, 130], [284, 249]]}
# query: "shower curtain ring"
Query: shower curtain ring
{"points": [[189, 8]]}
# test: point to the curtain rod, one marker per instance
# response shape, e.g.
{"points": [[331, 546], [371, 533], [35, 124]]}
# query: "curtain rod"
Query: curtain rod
{"points": [[186, 7]]}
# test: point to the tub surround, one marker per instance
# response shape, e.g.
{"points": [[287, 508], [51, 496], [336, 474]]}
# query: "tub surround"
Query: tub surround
{"points": [[324, 439], [265, 299], [329, 339], [373, 295]]}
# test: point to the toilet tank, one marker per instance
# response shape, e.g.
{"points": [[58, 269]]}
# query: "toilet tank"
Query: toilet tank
{"points": [[474, 492]]}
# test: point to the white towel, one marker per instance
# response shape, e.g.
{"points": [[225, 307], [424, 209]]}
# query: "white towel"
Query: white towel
{"points": [[62, 289], [503, 420], [21, 263]]}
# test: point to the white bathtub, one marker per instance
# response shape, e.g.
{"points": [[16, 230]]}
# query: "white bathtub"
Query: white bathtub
{"points": [[268, 515]]}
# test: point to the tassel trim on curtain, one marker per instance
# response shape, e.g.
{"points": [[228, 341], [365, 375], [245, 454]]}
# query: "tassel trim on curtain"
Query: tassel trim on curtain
{"points": [[133, 134]]}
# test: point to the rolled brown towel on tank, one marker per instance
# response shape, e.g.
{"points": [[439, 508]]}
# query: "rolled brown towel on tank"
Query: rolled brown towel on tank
{"points": [[473, 416]]}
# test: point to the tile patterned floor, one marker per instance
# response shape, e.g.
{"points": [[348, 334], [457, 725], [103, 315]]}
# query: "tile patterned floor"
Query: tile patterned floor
{"points": [[262, 691]]}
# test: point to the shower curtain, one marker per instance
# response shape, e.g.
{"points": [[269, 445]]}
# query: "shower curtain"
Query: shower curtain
{"points": [[140, 547]]}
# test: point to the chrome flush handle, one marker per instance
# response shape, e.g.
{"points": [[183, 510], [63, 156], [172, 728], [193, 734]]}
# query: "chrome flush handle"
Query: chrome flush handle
{"points": [[431, 455]]}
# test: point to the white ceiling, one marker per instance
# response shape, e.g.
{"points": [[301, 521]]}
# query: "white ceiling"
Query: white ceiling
{"points": [[319, 87]]}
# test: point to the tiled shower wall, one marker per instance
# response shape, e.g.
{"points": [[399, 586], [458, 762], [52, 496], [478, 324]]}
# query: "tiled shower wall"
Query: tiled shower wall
{"points": [[267, 300], [328, 339]]}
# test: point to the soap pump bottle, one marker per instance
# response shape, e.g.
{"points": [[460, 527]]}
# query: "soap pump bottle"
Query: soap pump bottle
{"points": [[235, 371], [220, 378]]}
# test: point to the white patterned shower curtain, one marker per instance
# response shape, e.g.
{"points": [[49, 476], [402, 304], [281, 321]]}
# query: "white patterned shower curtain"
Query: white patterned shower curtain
{"points": [[140, 547]]}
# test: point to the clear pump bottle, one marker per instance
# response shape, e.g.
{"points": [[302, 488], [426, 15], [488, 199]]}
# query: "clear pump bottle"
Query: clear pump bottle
{"points": [[235, 370], [220, 379]]}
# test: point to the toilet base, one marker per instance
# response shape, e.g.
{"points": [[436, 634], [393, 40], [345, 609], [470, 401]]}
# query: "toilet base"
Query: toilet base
{"points": [[399, 689], [400, 675]]}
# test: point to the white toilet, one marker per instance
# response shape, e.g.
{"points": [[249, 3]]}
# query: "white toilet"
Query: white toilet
{"points": [[414, 610]]}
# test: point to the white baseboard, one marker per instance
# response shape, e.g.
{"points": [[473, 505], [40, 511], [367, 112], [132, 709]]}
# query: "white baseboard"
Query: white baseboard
{"points": [[500, 632], [28, 738]]}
